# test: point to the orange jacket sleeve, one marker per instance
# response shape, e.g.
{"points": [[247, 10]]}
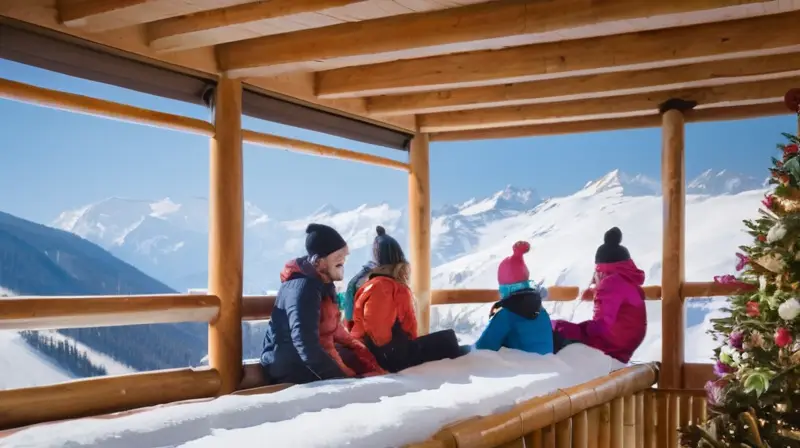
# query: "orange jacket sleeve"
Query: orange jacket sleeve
{"points": [[380, 312]]}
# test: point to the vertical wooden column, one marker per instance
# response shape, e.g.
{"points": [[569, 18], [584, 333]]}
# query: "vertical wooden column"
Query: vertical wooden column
{"points": [[673, 184], [419, 226], [225, 234]]}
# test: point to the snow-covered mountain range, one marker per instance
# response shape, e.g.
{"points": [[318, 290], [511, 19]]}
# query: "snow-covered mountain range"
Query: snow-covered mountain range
{"points": [[167, 239]]}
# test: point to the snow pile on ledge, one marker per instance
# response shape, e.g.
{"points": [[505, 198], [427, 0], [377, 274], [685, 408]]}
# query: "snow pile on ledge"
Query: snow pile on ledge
{"points": [[387, 411]]}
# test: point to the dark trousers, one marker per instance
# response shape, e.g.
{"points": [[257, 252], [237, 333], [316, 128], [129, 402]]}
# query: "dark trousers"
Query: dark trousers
{"points": [[560, 342], [402, 352]]}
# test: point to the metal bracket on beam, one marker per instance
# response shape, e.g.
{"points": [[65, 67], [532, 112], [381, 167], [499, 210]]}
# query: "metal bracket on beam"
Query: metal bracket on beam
{"points": [[676, 104]]}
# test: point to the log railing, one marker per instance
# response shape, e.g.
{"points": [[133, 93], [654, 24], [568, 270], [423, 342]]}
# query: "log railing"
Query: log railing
{"points": [[606, 412]]}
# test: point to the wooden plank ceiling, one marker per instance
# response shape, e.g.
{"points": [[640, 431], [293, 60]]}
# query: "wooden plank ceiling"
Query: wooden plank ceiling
{"points": [[462, 69]]}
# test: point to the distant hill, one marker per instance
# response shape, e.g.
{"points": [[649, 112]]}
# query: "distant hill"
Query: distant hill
{"points": [[41, 261]]}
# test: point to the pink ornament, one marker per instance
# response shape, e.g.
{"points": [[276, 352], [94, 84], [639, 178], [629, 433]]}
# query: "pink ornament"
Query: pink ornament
{"points": [[726, 279], [767, 202], [743, 261], [783, 337]]}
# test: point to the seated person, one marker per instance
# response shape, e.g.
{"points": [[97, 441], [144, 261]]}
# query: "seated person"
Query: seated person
{"points": [[384, 313], [305, 339], [518, 320], [619, 323]]}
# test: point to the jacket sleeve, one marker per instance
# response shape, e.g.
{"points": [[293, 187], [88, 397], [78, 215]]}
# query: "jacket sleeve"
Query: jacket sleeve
{"points": [[303, 316], [495, 332], [380, 313], [365, 357]]}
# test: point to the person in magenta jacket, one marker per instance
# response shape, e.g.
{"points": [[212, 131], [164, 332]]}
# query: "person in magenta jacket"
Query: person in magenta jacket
{"points": [[619, 323]]}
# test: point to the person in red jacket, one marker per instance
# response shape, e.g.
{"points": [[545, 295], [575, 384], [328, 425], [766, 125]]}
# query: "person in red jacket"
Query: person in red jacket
{"points": [[384, 315]]}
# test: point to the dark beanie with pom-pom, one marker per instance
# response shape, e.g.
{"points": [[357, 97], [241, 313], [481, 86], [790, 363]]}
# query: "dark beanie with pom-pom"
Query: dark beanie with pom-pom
{"points": [[386, 250], [612, 251], [322, 240]]}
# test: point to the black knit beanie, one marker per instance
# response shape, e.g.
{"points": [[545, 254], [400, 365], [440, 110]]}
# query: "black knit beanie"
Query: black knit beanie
{"points": [[611, 251], [322, 240], [385, 249]]}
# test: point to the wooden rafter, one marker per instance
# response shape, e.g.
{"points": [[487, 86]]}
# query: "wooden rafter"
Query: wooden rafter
{"points": [[616, 124], [588, 86], [549, 60], [474, 27], [226, 24], [642, 103], [104, 15]]}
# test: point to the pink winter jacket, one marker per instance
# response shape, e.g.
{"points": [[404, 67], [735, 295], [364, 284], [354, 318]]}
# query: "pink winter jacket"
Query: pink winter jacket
{"points": [[619, 323]]}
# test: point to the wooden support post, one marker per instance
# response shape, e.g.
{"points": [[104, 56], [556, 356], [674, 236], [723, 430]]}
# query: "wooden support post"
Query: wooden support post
{"points": [[604, 427], [419, 217], [617, 422], [639, 443], [673, 184], [225, 234], [649, 419]]}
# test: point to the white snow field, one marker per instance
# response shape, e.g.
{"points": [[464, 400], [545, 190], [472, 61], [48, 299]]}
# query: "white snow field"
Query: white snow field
{"points": [[388, 411], [23, 366]]}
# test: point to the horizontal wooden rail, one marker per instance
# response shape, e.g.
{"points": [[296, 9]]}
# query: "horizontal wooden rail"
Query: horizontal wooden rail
{"points": [[260, 307], [257, 307], [27, 93], [567, 293], [83, 398], [45, 313], [290, 144], [549, 418]]}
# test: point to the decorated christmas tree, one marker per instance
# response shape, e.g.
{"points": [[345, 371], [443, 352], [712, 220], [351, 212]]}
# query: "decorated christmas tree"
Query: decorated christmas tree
{"points": [[755, 400]]}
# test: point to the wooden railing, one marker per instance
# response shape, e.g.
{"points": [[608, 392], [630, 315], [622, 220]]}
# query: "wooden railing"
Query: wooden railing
{"points": [[607, 412], [109, 394]]}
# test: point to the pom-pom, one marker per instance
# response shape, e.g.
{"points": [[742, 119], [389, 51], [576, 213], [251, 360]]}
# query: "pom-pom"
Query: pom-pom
{"points": [[613, 237], [314, 227], [520, 248], [380, 231]]}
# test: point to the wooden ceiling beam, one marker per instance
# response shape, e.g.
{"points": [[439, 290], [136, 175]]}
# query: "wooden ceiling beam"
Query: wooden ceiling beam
{"points": [[105, 15], [475, 27], [776, 107], [630, 51], [225, 24], [584, 87], [626, 104]]}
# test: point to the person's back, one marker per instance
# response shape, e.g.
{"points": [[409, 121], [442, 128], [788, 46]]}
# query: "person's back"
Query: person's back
{"points": [[384, 317], [619, 323], [518, 320]]}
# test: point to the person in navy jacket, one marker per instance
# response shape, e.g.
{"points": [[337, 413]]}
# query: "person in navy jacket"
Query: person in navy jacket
{"points": [[518, 320], [305, 339]]}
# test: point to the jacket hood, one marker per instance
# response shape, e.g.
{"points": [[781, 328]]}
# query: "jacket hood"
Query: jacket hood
{"points": [[525, 303], [626, 269], [299, 268]]}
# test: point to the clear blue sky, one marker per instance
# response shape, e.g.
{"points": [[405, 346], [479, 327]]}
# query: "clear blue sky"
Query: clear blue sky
{"points": [[54, 160]]}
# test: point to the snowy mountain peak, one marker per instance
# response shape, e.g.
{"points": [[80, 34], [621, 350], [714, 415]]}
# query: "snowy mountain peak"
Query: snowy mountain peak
{"points": [[508, 199], [621, 183], [722, 182], [325, 210]]}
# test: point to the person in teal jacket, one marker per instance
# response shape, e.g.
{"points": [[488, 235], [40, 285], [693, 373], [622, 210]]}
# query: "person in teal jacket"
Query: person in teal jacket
{"points": [[518, 320]]}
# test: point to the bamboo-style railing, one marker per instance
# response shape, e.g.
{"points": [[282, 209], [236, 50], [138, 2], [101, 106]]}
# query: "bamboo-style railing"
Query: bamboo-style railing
{"points": [[608, 411]]}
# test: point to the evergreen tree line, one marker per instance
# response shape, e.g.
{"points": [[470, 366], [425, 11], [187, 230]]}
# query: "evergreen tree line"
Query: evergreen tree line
{"points": [[64, 353]]}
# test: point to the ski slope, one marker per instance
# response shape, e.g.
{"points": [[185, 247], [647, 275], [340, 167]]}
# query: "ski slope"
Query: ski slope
{"points": [[23, 366]]}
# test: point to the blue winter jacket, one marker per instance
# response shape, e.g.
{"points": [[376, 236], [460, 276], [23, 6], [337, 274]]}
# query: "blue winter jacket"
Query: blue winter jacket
{"points": [[293, 352], [518, 322]]}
